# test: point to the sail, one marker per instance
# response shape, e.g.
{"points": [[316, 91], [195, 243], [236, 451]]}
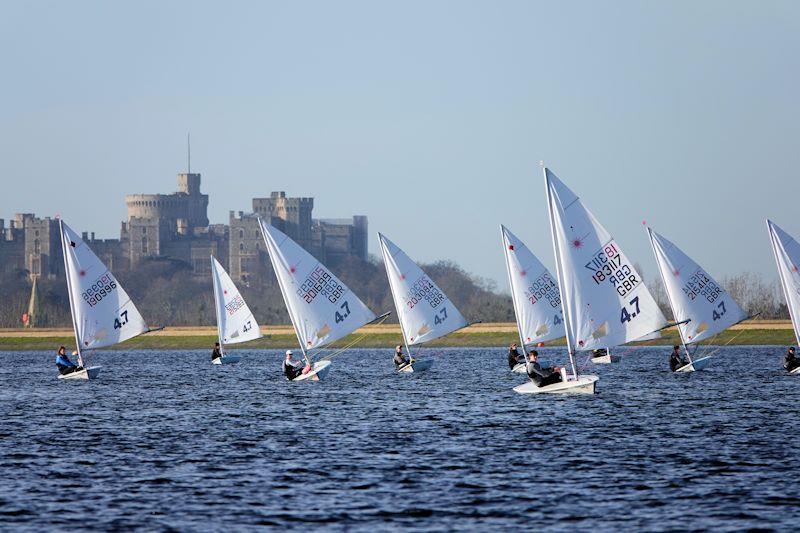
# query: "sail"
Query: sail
{"points": [[322, 308], [787, 257], [33, 305], [235, 321], [693, 294], [605, 300], [424, 311], [102, 312], [534, 291]]}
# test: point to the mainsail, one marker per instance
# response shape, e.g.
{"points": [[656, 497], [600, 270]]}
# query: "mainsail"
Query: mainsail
{"points": [[534, 292], [235, 321], [693, 294], [321, 307], [787, 257], [102, 312], [424, 311], [605, 300]]}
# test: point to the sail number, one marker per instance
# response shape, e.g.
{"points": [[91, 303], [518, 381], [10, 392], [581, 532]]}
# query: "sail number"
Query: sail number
{"points": [[717, 315], [320, 281], [424, 290], [625, 315], [543, 287], [607, 265], [441, 316], [701, 284], [102, 287], [339, 316], [124, 320]]}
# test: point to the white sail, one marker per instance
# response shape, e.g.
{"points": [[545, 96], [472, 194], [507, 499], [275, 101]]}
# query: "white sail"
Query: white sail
{"points": [[424, 311], [102, 312], [534, 291], [605, 300], [787, 257], [235, 321], [322, 308], [693, 294]]}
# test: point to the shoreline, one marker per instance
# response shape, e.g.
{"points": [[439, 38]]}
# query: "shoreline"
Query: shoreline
{"points": [[753, 332]]}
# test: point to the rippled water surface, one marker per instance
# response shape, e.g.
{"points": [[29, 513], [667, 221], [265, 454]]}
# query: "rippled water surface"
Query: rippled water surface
{"points": [[166, 440]]}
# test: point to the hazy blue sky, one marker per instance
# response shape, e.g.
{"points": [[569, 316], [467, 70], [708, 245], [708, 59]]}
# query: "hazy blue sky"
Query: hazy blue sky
{"points": [[429, 117]]}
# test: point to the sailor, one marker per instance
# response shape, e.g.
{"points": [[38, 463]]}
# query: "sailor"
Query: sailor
{"points": [[64, 365], [542, 376], [216, 353], [514, 357], [675, 359], [291, 369], [400, 361], [790, 360]]}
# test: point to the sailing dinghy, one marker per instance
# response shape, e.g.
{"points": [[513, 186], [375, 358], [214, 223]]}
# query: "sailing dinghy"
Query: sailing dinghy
{"points": [[424, 311], [787, 258], [603, 356], [604, 299], [322, 308], [235, 321], [700, 305], [535, 295], [102, 312]]}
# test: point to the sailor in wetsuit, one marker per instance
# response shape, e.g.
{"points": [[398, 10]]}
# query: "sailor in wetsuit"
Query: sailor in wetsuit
{"points": [[64, 365], [291, 369], [514, 357], [400, 361], [675, 359], [790, 360], [542, 376], [216, 353]]}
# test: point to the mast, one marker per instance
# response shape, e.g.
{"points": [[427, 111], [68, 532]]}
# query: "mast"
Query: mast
{"points": [[669, 297], [70, 292], [385, 253], [275, 267], [216, 304], [560, 274], [513, 294], [784, 283]]}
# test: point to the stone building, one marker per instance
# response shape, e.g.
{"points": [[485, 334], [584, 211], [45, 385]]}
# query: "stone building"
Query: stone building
{"points": [[176, 226]]}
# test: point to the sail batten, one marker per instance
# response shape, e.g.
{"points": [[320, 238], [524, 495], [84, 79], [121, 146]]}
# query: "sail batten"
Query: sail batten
{"points": [[235, 321], [534, 293], [102, 312], [605, 300], [693, 294], [787, 259], [322, 308], [423, 309]]}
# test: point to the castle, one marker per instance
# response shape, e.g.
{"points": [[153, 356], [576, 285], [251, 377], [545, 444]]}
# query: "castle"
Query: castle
{"points": [[176, 226]]}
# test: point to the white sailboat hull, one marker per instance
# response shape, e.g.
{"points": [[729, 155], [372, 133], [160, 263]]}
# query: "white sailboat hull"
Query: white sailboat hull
{"points": [[606, 359], [417, 366], [519, 368], [226, 360], [87, 373], [697, 364], [585, 384], [795, 371], [318, 371]]}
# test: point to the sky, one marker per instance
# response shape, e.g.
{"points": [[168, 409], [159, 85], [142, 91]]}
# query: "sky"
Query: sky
{"points": [[429, 117]]}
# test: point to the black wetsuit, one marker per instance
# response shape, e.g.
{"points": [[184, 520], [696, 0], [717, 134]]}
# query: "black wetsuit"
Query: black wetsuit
{"points": [[514, 358], [542, 376], [400, 361], [790, 361], [216, 354], [291, 371], [675, 361]]}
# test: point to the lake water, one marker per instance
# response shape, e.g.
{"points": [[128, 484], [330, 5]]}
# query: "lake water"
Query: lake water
{"points": [[166, 440]]}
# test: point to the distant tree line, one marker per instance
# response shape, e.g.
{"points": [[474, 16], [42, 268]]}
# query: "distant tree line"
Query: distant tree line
{"points": [[166, 293]]}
